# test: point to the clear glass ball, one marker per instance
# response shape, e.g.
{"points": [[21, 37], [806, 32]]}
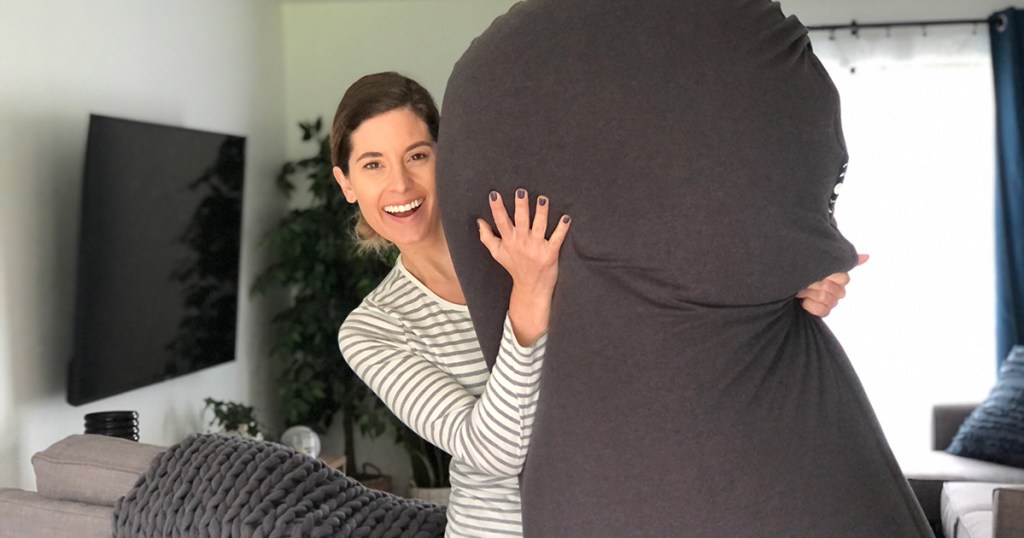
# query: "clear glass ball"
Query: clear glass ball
{"points": [[302, 439]]}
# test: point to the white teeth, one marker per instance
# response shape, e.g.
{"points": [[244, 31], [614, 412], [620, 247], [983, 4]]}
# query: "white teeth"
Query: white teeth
{"points": [[403, 208]]}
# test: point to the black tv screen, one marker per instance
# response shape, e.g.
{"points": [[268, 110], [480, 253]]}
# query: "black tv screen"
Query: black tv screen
{"points": [[157, 280]]}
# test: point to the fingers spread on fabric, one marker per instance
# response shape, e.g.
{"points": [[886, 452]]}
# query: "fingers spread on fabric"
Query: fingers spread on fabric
{"points": [[540, 218], [501, 220], [522, 210], [521, 247], [558, 236], [487, 236]]}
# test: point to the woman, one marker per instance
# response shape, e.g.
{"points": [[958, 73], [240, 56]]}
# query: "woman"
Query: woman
{"points": [[412, 340]]}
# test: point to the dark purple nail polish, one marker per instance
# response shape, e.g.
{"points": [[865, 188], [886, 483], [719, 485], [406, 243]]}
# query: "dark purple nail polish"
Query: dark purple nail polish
{"points": [[494, 196], [566, 219], [542, 201], [521, 193]]}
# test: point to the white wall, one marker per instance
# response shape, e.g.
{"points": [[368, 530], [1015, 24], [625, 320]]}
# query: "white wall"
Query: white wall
{"points": [[206, 65], [822, 12], [328, 45]]}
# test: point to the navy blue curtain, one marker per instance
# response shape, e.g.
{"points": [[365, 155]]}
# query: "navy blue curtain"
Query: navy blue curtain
{"points": [[1006, 29]]}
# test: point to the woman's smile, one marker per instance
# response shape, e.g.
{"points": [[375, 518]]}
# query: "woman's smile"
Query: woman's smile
{"points": [[404, 210]]}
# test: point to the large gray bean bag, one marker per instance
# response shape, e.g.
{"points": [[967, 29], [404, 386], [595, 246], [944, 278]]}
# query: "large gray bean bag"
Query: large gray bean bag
{"points": [[697, 145]]}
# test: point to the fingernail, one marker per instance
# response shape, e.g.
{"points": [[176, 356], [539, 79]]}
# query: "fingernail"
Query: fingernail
{"points": [[566, 219], [542, 201], [494, 196], [521, 193]]}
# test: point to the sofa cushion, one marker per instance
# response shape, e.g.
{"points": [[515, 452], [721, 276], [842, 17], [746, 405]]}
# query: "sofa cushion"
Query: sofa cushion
{"points": [[927, 471], [975, 525], [1008, 511], [995, 430], [25, 514], [967, 509], [943, 466], [93, 469]]}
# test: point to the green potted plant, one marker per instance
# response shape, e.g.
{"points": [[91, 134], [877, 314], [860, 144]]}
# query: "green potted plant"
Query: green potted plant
{"points": [[316, 262], [232, 418]]}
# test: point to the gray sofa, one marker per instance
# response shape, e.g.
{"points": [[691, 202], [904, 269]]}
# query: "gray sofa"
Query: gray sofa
{"points": [[206, 485], [963, 497], [79, 479]]}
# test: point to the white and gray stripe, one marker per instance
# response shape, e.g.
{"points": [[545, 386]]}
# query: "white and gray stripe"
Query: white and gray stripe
{"points": [[420, 354]]}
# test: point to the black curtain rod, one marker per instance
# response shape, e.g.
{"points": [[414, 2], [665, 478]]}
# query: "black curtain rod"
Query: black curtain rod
{"points": [[855, 26]]}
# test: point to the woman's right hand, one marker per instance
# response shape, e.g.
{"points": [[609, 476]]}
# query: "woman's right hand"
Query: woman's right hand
{"points": [[530, 259]]}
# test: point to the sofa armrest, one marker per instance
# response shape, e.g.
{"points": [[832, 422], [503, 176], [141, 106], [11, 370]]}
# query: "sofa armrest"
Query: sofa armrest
{"points": [[92, 469], [946, 421], [1008, 512]]}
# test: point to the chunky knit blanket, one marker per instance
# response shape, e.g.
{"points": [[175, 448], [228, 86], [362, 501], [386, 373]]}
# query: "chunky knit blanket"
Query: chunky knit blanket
{"points": [[219, 486]]}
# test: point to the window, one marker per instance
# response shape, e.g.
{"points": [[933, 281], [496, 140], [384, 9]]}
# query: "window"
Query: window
{"points": [[918, 115]]}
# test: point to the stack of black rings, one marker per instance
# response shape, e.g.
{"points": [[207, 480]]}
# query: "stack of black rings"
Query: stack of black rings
{"points": [[123, 424]]}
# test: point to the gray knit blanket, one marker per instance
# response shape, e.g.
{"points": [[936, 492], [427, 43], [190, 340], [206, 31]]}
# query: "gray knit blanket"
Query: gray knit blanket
{"points": [[219, 486]]}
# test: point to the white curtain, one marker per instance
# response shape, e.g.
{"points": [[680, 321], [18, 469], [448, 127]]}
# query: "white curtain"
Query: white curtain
{"points": [[918, 321]]}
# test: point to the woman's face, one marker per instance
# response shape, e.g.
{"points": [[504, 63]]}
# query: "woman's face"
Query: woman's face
{"points": [[391, 177]]}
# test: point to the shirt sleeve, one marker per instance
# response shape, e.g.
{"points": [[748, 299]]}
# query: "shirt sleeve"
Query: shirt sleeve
{"points": [[490, 433]]}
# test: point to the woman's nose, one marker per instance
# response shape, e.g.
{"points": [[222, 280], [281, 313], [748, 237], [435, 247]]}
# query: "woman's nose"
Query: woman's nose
{"points": [[401, 180]]}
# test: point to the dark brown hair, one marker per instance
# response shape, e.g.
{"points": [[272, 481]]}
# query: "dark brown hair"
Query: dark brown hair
{"points": [[368, 97], [371, 96]]}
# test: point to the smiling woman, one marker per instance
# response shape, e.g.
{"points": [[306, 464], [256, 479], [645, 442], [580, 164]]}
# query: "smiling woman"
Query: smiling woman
{"points": [[412, 340]]}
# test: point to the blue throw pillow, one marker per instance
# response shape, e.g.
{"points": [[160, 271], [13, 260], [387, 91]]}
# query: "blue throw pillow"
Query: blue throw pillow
{"points": [[995, 430]]}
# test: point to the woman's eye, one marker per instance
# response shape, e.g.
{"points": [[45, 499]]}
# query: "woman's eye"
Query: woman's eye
{"points": [[372, 165], [418, 156]]}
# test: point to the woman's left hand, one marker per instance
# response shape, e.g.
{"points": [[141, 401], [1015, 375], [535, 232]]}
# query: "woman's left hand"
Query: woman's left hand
{"points": [[530, 258], [822, 296]]}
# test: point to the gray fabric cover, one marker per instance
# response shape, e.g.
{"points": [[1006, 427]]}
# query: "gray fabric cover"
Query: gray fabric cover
{"points": [[94, 469], [697, 146], [213, 485]]}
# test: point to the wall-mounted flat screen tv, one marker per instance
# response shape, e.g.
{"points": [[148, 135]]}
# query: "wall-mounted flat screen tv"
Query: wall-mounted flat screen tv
{"points": [[157, 279]]}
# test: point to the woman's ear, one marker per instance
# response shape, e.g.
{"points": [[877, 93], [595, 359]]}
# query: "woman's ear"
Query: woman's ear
{"points": [[345, 184]]}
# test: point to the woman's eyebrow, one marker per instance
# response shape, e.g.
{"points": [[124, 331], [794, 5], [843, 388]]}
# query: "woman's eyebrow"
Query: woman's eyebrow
{"points": [[411, 147], [369, 154], [419, 144]]}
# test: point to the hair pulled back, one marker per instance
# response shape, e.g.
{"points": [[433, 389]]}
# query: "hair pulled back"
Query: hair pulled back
{"points": [[370, 96]]}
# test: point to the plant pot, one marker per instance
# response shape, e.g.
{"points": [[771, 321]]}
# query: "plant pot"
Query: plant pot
{"points": [[438, 496], [377, 482], [242, 431]]}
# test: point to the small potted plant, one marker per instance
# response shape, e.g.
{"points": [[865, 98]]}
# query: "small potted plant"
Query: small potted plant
{"points": [[231, 418]]}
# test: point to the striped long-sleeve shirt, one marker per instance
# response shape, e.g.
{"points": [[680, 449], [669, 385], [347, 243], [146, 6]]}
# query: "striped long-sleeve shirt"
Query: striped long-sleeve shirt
{"points": [[420, 354]]}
